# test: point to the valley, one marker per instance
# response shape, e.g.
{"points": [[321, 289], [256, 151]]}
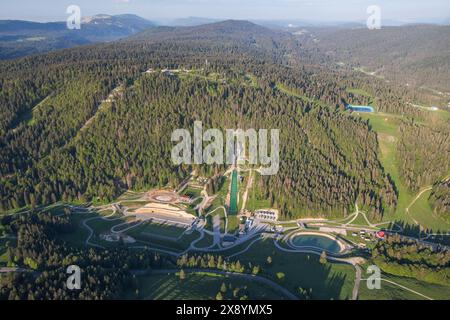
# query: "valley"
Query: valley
{"points": [[86, 174]]}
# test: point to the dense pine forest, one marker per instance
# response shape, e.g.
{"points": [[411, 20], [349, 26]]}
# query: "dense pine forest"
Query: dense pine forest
{"points": [[406, 258], [108, 272], [413, 55], [88, 123], [419, 147], [440, 199]]}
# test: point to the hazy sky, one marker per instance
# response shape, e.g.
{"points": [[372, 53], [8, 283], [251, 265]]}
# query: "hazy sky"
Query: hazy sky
{"points": [[317, 10]]}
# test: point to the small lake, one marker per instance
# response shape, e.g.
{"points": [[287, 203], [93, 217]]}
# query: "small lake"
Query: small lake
{"points": [[316, 241]]}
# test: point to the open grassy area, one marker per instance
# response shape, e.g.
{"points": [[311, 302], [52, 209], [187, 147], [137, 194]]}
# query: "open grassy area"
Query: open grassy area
{"points": [[3, 256], [233, 224], [101, 226], [422, 212], [175, 246], [79, 236], [192, 192], [198, 286], [390, 291], [386, 127], [206, 242], [130, 196], [253, 203], [134, 203], [157, 229]]}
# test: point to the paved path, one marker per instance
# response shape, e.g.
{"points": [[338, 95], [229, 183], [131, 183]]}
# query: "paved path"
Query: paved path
{"points": [[352, 261], [357, 283], [13, 269], [250, 277], [245, 195], [403, 287], [91, 231], [425, 189], [216, 228], [414, 201]]}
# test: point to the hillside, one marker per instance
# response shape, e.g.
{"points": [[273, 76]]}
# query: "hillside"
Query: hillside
{"points": [[127, 145], [21, 38], [58, 144], [415, 56], [88, 177]]}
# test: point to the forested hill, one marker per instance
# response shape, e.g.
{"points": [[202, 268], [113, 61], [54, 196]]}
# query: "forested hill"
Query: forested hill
{"points": [[229, 30], [21, 38], [89, 122], [235, 36], [416, 55]]}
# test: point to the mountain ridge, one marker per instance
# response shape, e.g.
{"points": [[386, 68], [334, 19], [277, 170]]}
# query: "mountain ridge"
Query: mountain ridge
{"points": [[21, 38]]}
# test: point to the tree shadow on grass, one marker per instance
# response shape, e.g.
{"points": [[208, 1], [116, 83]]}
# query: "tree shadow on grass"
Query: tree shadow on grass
{"points": [[300, 270], [413, 230]]}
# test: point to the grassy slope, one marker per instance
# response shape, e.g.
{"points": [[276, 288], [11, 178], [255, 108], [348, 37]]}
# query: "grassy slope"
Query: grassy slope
{"points": [[420, 207], [386, 127], [390, 291], [252, 202]]}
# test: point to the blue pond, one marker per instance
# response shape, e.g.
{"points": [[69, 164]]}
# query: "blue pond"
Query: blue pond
{"points": [[360, 108], [316, 241]]}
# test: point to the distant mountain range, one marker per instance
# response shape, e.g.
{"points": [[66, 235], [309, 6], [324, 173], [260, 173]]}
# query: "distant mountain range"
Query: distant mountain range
{"points": [[19, 38], [412, 55]]}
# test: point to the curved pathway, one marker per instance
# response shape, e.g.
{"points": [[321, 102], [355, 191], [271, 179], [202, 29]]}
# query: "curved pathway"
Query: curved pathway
{"points": [[352, 261], [403, 287], [250, 277]]}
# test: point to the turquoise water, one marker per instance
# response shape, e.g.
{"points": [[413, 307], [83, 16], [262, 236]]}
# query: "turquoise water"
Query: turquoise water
{"points": [[309, 240], [360, 108]]}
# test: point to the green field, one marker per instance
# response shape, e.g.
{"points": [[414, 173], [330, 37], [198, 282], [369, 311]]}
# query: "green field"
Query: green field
{"points": [[233, 224], [79, 236], [390, 291], [422, 212], [206, 242], [156, 229], [134, 203], [128, 195], [174, 245], [198, 286], [360, 221], [3, 254], [253, 201], [387, 128], [192, 192], [388, 133]]}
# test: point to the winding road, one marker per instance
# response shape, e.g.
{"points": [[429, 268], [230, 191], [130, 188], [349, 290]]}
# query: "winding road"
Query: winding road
{"points": [[250, 277]]}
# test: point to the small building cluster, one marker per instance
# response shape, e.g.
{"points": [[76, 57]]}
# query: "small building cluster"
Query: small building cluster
{"points": [[266, 215], [370, 236]]}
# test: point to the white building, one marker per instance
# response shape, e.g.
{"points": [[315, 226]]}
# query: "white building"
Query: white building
{"points": [[266, 215]]}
